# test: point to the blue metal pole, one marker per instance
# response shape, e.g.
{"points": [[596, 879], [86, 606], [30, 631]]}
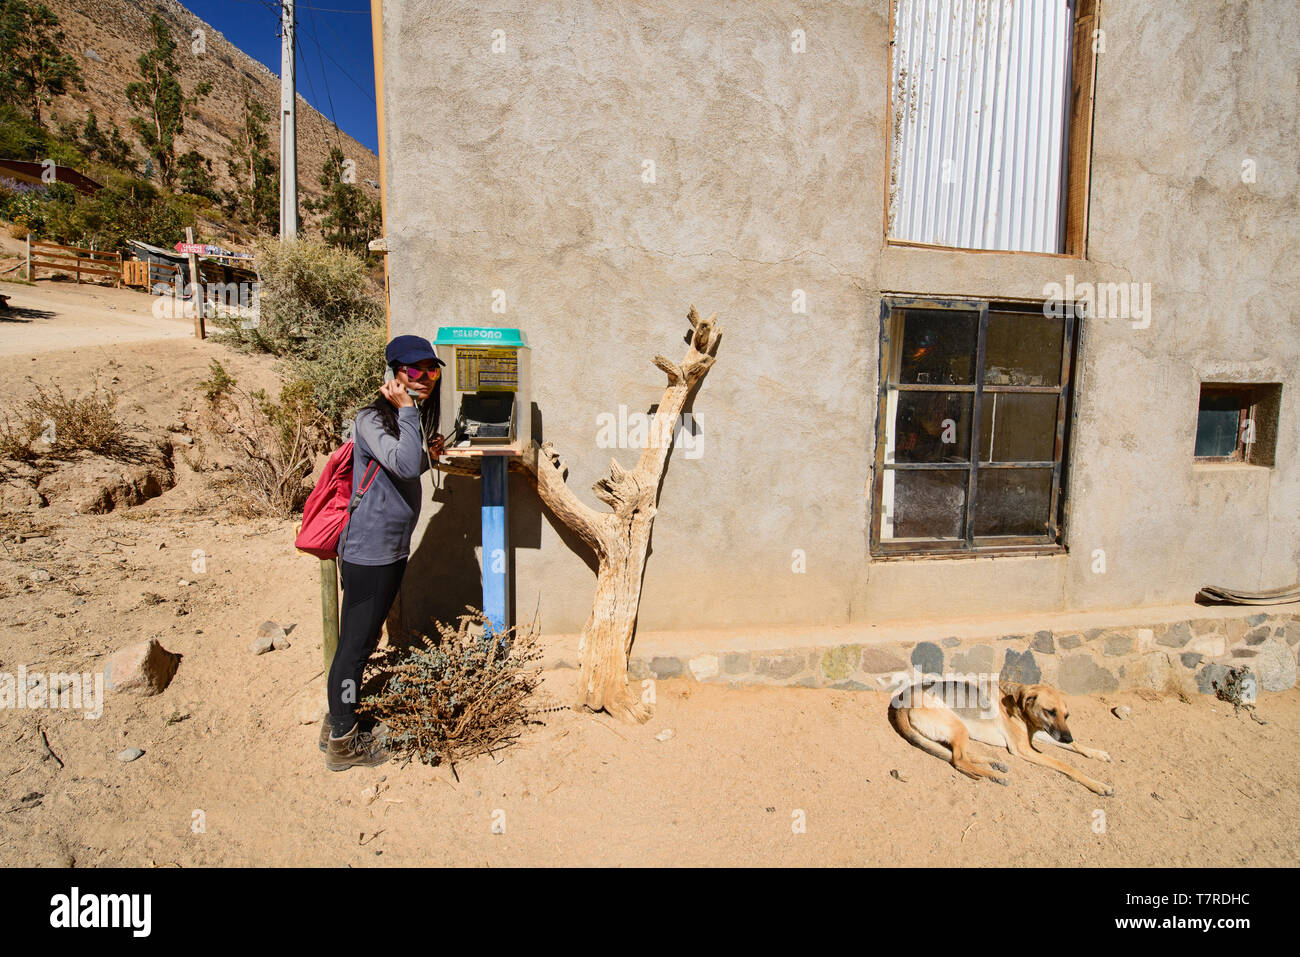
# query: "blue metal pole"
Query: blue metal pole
{"points": [[496, 543]]}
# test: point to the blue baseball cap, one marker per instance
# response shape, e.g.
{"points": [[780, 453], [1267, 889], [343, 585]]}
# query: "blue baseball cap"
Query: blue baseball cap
{"points": [[408, 350]]}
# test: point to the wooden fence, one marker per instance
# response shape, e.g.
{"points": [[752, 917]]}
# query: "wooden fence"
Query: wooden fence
{"points": [[144, 274], [72, 259]]}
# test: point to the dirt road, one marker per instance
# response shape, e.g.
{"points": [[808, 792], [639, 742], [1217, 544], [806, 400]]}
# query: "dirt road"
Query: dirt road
{"points": [[58, 315]]}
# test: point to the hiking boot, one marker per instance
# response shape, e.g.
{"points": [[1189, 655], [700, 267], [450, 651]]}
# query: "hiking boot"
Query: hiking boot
{"points": [[355, 749], [378, 729]]}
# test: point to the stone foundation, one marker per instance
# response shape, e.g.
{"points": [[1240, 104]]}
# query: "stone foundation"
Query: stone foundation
{"points": [[1189, 654]]}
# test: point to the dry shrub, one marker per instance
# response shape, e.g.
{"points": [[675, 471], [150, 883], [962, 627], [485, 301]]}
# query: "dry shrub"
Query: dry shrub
{"points": [[62, 424], [275, 442], [461, 694], [1238, 687], [88, 423], [17, 433]]}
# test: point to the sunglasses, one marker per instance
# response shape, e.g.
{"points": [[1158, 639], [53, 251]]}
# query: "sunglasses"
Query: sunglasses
{"points": [[415, 374]]}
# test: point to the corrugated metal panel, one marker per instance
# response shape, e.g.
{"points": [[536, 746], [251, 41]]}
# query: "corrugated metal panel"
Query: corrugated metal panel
{"points": [[979, 100]]}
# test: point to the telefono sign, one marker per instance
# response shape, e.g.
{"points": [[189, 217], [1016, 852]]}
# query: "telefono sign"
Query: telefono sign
{"points": [[455, 335]]}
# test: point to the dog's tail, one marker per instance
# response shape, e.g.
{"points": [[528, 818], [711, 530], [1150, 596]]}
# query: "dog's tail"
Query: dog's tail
{"points": [[902, 722]]}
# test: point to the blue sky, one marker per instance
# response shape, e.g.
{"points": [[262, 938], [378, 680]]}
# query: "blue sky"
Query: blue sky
{"points": [[335, 61]]}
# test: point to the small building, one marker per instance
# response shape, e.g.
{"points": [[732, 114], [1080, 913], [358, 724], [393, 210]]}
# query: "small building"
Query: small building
{"points": [[41, 174], [1010, 351], [165, 267]]}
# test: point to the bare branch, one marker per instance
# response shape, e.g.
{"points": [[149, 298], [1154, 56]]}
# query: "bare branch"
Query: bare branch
{"points": [[546, 468], [672, 368]]}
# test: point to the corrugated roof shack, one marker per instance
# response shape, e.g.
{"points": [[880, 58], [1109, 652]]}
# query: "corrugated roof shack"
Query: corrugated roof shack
{"points": [[164, 268], [920, 409]]}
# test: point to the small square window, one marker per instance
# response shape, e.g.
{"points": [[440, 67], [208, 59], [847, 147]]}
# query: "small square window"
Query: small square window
{"points": [[1237, 422]]}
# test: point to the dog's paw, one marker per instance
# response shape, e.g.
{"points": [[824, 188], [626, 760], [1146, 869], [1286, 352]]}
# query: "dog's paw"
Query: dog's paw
{"points": [[1105, 790], [1102, 756], [999, 766], [1002, 781]]}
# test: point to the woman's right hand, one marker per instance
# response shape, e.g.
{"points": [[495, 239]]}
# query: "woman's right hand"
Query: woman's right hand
{"points": [[396, 393]]}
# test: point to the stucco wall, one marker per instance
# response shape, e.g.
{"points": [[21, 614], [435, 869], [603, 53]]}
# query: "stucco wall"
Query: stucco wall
{"points": [[522, 171]]}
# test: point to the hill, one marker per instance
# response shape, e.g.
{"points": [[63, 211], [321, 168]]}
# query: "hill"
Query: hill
{"points": [[106, 37]]}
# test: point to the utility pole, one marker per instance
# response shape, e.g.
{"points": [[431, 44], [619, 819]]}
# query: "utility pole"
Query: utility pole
{"points": [[288, 126]]}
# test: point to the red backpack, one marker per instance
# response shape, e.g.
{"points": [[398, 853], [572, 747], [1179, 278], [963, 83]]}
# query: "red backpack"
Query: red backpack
{"points": [[331, 503]]}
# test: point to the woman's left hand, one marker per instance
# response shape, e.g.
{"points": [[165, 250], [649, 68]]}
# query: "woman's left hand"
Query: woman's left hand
{"points": [[437, 445]]}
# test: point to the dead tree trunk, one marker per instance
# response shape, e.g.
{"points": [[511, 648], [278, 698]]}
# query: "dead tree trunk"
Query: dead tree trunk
{"points": [[621, 538]]}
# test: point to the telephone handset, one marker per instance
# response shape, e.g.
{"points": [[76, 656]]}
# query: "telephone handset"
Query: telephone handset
{"points": [[389, 376]]}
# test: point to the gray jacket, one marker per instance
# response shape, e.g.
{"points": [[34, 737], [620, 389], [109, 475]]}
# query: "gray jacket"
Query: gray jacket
{"points": [[379, 531]]}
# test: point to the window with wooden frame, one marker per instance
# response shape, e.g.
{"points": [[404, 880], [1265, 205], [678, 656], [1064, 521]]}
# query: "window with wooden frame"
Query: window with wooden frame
{"points": [[990, 135], [1237, 422], [971, 426]]}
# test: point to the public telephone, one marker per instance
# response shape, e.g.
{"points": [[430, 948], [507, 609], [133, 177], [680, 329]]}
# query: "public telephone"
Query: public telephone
{"points": [[490, 382]]}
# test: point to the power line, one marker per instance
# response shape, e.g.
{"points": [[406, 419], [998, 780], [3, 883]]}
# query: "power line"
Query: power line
{"points": [[329, 140], [346, 47], [324, 76], [369, 93], [332, 9]]}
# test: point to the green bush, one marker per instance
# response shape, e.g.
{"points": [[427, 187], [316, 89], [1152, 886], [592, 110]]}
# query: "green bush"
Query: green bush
{"points": [[309, 294], [346, 375], [219, 382], [21, 137], [126, 208]]}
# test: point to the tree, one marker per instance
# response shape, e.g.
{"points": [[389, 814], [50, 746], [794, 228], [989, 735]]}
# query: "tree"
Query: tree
{"points": [[257, 184], [126, 208], [160, 101], [92, 137], [350, 219], [107, 147], [196, 175], [119, 152], [621, 538], [36, 69]]}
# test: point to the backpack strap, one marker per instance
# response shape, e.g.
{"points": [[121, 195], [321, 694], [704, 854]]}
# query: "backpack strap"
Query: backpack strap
{"points": [[367, 480]]}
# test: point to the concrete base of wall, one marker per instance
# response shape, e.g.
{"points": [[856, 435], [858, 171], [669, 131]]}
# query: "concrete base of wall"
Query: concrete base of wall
{"points": [[1185, 647]]}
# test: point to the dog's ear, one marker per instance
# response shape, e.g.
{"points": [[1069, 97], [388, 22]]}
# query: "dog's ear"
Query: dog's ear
{"points": [[1028, 700]]}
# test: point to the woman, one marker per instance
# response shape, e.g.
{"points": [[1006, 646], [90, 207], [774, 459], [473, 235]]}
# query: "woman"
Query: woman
{"points": [[399, 431]]}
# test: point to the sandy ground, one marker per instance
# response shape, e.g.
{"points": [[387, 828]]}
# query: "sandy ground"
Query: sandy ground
{"points": [[55, 315], [230, 775]]}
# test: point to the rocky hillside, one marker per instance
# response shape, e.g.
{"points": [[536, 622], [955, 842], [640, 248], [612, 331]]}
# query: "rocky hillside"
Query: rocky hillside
{"points": [[108, 35]]}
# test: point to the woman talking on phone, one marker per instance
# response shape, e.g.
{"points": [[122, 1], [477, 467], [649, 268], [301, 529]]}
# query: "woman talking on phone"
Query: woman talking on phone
{"points": [[399, 433]]}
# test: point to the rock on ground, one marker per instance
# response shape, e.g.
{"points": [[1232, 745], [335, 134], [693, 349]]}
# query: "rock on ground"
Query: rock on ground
{"points": [[145, 668]]}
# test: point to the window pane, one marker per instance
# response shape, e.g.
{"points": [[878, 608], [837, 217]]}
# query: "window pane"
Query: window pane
{"points": [[938, 346], [931, 427], [1216, 424], [924, 504], [1023, 349], [1019, 427], [1013, 502]]}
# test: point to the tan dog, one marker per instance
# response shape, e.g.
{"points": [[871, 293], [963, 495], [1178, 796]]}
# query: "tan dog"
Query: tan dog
{"points": [[955, 711]]}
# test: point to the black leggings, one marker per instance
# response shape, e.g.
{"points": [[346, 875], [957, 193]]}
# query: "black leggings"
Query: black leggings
{"points": [[368, 593]]}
